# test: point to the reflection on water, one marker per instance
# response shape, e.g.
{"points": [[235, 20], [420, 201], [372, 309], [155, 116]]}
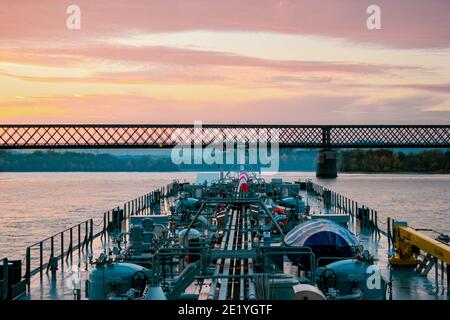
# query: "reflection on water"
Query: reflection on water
{"points": [[35, 205]]}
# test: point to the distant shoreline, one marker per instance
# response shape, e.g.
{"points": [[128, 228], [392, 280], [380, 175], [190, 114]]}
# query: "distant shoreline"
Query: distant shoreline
{"points": [[372, 161], [394, 172], [194, 171]]}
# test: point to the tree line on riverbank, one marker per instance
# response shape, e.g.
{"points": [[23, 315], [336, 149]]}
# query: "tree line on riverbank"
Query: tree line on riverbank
{"points": [[51, 161], [425, 161], [69, 161]]}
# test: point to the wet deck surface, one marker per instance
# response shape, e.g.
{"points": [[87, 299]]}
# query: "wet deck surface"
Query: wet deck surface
{"points": [[406, 285]]}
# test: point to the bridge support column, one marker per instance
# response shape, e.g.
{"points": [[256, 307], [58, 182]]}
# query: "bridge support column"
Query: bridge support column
{"points": [[326, 164]]}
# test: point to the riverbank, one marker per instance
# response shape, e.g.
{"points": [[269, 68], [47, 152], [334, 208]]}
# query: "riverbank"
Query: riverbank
{"points": [[349, 161], [388, 161]]}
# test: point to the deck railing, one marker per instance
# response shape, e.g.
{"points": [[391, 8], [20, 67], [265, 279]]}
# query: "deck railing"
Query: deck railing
{"points": [[55, 251], [339, 204]]}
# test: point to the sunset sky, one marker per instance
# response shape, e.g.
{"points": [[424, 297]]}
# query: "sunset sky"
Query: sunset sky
{"points": [[233, 61]]}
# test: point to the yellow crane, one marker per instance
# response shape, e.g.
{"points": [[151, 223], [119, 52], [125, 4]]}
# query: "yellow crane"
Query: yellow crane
{"points": [[408, 242]]}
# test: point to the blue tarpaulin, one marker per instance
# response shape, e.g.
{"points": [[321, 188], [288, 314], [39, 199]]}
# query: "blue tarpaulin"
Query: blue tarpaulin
{"points": [[321, 234]]}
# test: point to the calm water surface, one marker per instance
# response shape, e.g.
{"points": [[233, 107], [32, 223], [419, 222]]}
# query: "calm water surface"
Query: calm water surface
{"points": [[36, 205]]}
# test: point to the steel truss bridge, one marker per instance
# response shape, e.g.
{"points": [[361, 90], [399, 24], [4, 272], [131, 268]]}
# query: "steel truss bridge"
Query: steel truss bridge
{"points": [[167, 136]]}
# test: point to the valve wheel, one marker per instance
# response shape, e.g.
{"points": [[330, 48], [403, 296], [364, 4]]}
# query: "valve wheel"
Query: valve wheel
{"points": [[328, 280], [139, 281]]}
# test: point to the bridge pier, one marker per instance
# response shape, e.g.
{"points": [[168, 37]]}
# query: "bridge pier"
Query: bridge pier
{"points": [[326, 164]]}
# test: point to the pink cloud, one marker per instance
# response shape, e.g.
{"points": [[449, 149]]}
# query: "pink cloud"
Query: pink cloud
{"points": [[405, 23], [309, 109], [174, 58]]}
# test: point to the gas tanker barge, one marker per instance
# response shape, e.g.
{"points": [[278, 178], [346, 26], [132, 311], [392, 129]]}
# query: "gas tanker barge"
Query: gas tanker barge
{"points": [[234, 237]]}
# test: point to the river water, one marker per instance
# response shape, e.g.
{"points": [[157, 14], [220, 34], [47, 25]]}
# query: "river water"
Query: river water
{"points": [[36, 205]]}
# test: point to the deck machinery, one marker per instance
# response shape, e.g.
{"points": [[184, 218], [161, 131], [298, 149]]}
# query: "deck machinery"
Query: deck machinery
{"points": [[239, 238]]}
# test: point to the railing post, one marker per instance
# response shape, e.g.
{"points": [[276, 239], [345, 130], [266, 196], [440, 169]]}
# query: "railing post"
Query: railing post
{"points": [[448, 277], [436, 273], [28, 267], [370, 212], [79, 243], [92, 230], [71, 245], [40, 257], [393, 232], [335, 201], [389, 230], [52, 250], [363, 212], [86, 235], [52, 254], [376, 223], [62, 250], [104, 224]]}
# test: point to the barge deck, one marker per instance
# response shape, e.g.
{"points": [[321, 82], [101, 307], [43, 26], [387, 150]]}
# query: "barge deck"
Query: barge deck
{"points": [[61, 266]]}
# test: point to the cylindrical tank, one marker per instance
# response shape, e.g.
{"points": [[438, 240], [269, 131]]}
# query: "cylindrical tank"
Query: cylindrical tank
{"points": [[351, 274], [292, 202], [308, 292], [109, 278], [190, 240], [188, 203], [203, 222], [193, 234], [284, 192], [198, 193]]}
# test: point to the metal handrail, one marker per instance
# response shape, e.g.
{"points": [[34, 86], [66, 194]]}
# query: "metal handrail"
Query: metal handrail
{"points": [[137, 206]]}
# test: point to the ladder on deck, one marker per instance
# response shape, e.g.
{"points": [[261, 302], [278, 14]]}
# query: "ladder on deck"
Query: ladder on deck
{"points": [[426, 265]]}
